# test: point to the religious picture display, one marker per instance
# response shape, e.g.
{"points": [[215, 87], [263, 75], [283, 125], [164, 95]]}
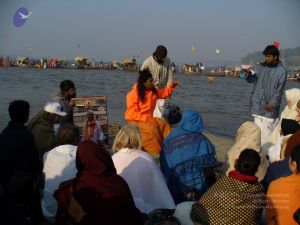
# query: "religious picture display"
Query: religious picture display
{"points": [[90, 116]]}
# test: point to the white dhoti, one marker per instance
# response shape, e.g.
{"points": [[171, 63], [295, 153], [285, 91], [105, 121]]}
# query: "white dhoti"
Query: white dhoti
{"points": [[266, 126]]}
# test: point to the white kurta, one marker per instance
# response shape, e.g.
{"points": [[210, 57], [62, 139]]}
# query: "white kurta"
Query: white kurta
{"points": [[162, 73], [266, 125], [144, 178], [162, 76]]}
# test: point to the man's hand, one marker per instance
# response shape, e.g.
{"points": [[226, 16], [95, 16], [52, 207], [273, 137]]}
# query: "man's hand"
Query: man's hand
{"points": [[269, 108]]}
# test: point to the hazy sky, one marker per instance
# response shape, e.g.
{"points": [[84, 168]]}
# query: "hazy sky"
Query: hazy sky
{"points": [[113, 29]]}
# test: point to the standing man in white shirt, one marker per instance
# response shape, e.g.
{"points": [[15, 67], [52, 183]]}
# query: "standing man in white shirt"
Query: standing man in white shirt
{"points": [[160, 67], [59, 166]]}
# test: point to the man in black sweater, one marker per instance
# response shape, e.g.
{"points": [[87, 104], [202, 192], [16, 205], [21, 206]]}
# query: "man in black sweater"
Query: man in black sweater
{"points": [[20, 166]]}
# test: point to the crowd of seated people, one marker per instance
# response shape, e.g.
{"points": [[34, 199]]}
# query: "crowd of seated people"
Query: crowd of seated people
{"points": [[50, 176]]}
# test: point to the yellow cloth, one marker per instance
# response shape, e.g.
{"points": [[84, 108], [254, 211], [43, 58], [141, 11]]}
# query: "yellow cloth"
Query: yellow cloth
{"points": [[283, 199], [153, 133]]}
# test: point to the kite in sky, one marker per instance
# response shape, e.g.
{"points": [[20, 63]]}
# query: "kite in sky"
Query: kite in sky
{"points": [[21, 16], [193, 49], [218, 51]]}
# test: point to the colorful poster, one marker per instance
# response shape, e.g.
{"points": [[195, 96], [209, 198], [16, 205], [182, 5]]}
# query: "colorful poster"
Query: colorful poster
{"points": [[89, 113]]}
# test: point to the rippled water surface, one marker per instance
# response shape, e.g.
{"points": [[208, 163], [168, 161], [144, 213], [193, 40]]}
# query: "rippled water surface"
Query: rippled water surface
{"points": [[223, 103]]}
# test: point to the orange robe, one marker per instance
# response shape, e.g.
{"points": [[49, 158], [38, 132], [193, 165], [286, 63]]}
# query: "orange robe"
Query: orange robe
{"points": [[153, 130], [283, 199]]}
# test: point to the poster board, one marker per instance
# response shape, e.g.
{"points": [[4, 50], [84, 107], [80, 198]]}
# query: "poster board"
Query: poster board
{"points": [[97, 105]]}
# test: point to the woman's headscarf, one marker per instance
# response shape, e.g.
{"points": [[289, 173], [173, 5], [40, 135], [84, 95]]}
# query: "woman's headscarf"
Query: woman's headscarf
{"points": [[289, 112], [188, 137], [247, 137], [112, 205], [191, 121], [96, 171]]}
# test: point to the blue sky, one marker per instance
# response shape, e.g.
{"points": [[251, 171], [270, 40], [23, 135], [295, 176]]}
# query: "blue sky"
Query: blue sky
{"points": [[113, 29]]}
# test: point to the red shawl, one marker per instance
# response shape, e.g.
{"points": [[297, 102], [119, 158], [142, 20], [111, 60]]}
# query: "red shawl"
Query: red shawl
{"points": [[104, 196], [242, 177], [97, 171]]}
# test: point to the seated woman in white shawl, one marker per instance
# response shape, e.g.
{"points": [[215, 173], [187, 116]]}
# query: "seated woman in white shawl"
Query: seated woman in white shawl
{"points": [[248, 136], [144, 178], [276, 152], [290, 111]]}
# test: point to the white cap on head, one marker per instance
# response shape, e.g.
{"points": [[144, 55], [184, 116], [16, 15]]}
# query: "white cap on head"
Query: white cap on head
{"points": [[54, 107]]}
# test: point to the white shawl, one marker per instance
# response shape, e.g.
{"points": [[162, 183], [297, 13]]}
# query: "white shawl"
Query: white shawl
{"points": [[144, 178], [247, 137], [289, 112]]}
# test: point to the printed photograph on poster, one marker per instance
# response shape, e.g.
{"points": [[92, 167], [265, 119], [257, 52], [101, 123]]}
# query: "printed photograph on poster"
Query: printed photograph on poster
{"points": [[90, 115]]}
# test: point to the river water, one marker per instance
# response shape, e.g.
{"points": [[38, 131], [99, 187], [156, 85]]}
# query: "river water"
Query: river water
{"points": [[223, 103]]}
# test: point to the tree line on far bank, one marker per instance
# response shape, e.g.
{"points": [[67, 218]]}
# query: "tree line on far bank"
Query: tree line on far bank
{"points": [[289, 56]]}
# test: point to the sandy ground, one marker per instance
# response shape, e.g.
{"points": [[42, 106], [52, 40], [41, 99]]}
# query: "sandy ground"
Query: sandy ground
{"points": [[222, 144]]}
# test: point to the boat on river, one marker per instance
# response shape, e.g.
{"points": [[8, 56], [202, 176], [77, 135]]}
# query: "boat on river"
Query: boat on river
{"points": [[295, 79], [214, 74], [200, 70]]}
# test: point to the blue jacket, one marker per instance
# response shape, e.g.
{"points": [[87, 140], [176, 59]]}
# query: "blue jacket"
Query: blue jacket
{"points": [[275, 171], [269, 83], [184, 155]]}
